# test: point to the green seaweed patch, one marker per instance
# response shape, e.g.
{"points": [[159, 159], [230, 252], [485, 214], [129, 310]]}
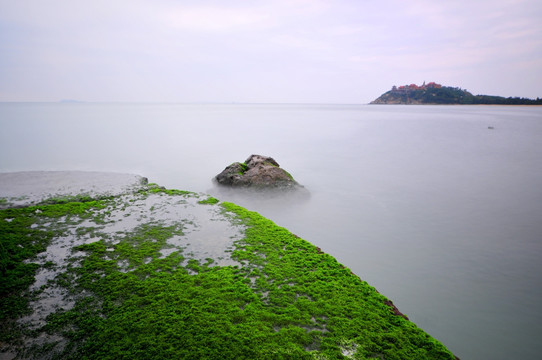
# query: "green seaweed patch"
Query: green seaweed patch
{"points": [[288, 299], [20, 244], [309, 289], [171, 192], [153, 188], [69, 199], [209, 201], [244, 167], [289, 175]]}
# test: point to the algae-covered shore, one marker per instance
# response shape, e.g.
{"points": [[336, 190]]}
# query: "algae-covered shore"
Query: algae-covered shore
{"points": [[142, 272]]}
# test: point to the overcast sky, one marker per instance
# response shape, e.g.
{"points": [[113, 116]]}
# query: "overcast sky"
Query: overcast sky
{"points": [[291, 51]]}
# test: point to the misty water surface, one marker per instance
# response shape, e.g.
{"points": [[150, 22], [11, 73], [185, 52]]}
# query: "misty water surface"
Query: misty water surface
{"points": [[437, 211]]}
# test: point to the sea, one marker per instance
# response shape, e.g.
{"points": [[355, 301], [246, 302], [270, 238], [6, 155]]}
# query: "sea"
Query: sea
{"points": [[438, 207]]}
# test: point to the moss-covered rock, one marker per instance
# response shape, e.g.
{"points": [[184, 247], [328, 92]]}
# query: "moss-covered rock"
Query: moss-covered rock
{"points": [[258, 172]]}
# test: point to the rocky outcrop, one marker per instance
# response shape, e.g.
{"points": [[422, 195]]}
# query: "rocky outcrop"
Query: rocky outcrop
{"points": [[258, 172], [436, 94]]}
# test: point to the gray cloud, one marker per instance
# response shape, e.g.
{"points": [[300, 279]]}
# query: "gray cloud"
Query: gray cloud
{"points": [[278, 51]]}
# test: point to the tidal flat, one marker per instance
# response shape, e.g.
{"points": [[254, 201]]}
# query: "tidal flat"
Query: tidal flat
{"points": [[153, 273]]}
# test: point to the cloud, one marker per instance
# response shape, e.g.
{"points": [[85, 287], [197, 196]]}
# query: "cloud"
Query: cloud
{"points": [[283, 50], [215, 19], [302, 42]]}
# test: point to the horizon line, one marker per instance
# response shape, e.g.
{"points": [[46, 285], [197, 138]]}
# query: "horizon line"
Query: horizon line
{"points": [[80, 102]]}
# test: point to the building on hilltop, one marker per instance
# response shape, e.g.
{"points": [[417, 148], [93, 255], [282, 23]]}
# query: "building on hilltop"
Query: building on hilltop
{"points": [[411, 87]]}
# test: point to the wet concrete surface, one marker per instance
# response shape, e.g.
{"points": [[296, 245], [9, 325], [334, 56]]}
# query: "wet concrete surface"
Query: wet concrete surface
{"points": [[31, 187], [204, 233]]}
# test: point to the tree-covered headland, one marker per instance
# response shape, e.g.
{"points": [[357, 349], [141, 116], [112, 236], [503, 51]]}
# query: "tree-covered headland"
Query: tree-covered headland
{"points": [[433, 93]]}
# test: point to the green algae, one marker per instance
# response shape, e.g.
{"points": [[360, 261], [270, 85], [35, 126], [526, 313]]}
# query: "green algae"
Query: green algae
{"points": [[244, 167], [170, 191], [20, 243], [153, 188], [286, 300], [301, 283], [209, 201]]}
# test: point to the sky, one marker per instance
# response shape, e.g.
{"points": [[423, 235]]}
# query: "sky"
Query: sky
{"points": [[284, 51]]}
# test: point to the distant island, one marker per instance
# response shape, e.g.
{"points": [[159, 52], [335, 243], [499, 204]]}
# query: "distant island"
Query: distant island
{"points": [[436, 94]]}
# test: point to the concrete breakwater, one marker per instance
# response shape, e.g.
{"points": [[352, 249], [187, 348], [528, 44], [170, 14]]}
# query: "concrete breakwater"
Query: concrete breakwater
{"points": [[138, 271]]}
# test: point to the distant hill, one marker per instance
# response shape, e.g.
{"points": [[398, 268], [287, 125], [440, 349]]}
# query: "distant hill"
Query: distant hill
{"points": [[433, 93]]}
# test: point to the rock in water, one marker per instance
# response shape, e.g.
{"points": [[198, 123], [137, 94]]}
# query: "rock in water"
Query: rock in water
{"points": [[257, 171]]}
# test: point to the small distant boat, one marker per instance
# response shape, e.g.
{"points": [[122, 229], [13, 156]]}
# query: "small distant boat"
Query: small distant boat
{"points": [[491, 128]]}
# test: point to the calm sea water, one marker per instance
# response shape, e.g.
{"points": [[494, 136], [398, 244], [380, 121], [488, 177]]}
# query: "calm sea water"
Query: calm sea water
{"points": [[437, 211]]}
